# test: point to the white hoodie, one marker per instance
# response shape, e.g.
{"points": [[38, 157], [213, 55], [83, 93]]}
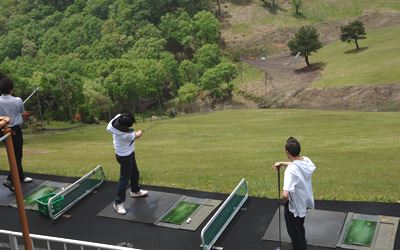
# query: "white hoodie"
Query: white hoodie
{"points": [[124, 143], [297, 182]]}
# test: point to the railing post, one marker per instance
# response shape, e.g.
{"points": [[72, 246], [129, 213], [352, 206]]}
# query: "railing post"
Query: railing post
{"points": [[13, 242]]}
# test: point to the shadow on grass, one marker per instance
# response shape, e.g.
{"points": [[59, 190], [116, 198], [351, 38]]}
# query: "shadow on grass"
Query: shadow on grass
{"points": [[272, 9], [355, 51], [240, 2], [299, 15], [311, 68]]}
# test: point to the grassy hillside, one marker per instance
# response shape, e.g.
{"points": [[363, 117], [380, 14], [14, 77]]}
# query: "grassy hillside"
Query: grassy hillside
{"points": [[356, 153], [247, 75], [377, 62], [248, 18]]}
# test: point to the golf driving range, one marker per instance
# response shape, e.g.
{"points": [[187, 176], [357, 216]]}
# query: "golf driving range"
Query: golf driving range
{"points": [[199, 124], [172, 214]]}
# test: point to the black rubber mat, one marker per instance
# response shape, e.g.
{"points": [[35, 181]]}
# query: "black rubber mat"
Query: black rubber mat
{"points": [[322, 228], [144, 209]]}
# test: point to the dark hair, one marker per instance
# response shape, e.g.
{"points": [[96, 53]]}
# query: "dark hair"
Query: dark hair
{"points": [[2, 75], [126, 120], [6, 85], [293, 146]]}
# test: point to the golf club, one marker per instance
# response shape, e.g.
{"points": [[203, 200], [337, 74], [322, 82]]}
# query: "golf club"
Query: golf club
{"points": [[279, 207], [31, 95]]}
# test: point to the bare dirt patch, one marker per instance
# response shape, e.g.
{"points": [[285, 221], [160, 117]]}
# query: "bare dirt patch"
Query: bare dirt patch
{"points": [[287, 84]]}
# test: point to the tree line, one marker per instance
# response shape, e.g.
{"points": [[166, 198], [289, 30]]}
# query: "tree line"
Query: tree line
{"points": [[95, 57]]}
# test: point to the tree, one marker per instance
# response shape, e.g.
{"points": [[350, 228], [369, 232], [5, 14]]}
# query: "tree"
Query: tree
{"points": [[305, 41], [206, 57], [150, 48], [188, 72], [206, 27], [177, 26], [218, 80], [187, 94], [98, 8], [96, 101], [29, 48], [10, 45], [353, 31], [297, 4]]}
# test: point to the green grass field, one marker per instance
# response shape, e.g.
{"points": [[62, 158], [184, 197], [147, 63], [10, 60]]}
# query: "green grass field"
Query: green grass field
{"points": [[247, 75], [356, 153], [377, 62]]}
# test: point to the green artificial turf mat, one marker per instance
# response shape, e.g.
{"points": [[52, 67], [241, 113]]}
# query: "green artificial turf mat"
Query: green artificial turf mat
{"points": [[180, 213], [360, 232], [40, 192]]}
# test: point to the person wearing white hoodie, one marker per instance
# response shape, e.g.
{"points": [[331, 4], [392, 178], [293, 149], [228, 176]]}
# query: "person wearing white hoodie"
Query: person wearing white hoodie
{"points": [[124, 144], [297, 193]]}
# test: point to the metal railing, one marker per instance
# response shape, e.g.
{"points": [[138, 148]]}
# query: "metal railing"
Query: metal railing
{"points": [[77, 190], [220, 220], [48, 240]]}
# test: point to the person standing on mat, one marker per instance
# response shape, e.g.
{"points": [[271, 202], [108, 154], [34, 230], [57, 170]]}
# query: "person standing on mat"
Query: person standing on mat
{"points": [[13, 107], [297, 193], [124, 144]]}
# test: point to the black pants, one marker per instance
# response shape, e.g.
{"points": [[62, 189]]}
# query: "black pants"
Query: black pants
{"points": [[295, 228], [18, 142], [128, 172]]}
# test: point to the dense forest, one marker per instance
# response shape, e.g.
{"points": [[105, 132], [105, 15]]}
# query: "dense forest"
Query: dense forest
{"points": [[96, 57]]}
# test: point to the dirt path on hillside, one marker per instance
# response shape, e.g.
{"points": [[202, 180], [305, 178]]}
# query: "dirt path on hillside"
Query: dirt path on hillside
{"points": [[287, 82], [287, 85], [285, 72]]}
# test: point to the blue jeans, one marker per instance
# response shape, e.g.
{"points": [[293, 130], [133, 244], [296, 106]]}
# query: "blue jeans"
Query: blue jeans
{"points": [[128, 172]]}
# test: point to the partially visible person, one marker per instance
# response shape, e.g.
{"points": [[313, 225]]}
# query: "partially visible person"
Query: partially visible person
{"points": [[13, 107], [297, 193], [124, 144]]}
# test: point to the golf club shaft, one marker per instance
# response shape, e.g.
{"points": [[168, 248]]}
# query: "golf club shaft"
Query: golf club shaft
{"points": [[279, 205], [31, 95]]}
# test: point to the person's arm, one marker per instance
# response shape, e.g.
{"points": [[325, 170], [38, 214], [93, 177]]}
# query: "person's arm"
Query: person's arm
{"points": [[289, 183], [285, 196], [277, 165], [280, 164], [138, 134], [21, 107]]}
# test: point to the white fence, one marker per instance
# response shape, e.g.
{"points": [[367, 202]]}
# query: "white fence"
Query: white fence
{"points": [[48, 243]]}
